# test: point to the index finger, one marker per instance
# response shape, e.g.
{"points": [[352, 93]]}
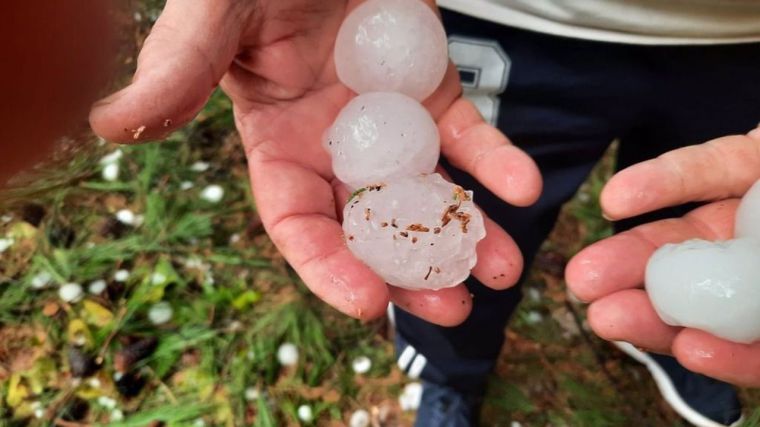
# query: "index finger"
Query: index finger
{"points": [[716, 170]]}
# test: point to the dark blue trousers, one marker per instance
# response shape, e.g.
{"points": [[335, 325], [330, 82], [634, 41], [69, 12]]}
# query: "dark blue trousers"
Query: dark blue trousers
{"points": [[564, 101]]}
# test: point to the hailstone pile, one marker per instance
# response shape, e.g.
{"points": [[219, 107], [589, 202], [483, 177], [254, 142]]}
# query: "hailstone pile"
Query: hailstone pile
{"points": [[412, 227], [712, 286]]}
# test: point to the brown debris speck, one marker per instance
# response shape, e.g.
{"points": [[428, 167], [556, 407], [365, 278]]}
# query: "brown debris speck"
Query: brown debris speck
{"points": [[437, 270], [350, 237], [437, 230], [460, 195], [414, 240], [137, 132], [430, 270], [393, 223], [376, 187], [418, 227], [404, 234], [167, 123], [367, 213], [383, 224]]}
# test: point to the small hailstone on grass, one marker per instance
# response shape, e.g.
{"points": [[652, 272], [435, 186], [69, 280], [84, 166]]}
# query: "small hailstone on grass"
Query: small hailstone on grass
{"points": [[117, 415], [305, 413], [287, 354], [97, 287], [199, 423], [41, 280], [107, 402], [121, 276], [126, 216], [5, 244], [70, 292], [6, 218], [213, 193], [252, 393], [117, 376], [199, 167], [360, 418], [94, 382], [157, 278], [361, 365], [39, 413], [186, 185], [160, 313], [534, 317], [111, 158], [110, 172], [410, 398]]}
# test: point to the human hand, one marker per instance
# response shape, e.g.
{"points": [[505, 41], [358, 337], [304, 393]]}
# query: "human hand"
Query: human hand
{"points": [[274, 59], [610, 273]]}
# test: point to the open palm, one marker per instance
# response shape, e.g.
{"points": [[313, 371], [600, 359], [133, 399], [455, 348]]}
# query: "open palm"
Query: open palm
{"points": [[274, 59]]}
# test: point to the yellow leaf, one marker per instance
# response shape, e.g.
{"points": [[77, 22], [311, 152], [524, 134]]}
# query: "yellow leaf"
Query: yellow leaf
{"points": [[95, 314], [79, 333], [17, 391]]}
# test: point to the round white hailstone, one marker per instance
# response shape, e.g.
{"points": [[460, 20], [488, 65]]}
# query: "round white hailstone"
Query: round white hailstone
{"points": [[287, 354], [416, 232], [157, 278], [710, 286], [5, 244], [111, 172], [747, 224], [305, 413], [97, 287], [39, 413], [199, 167], [41, 280], [6, 218], [126, 216], [410, 397], [213, 193], [361, 365], [186, 185], [117, 415], [515, 424], [112, 157], [94, 383], [160, 313], [121, 276], [252, 393], [70, 292], [199, 422], [360, 418], [107, 402], [392, 46], [534, 317], [379, 136], [117, 376]]}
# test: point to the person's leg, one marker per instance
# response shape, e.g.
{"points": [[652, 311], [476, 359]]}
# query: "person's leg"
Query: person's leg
{"points": [[704, 93], [554, 106]]}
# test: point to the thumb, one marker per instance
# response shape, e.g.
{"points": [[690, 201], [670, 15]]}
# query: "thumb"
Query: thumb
{"points": [[188, 51]]}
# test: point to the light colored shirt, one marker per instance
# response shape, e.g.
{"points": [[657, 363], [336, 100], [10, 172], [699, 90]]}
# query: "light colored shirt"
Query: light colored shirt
{"points": [[653, 22]]}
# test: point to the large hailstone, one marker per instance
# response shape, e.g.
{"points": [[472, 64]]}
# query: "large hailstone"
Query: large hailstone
{"points": [[748, 214], [712, 286], [392, 46], [381, 135], [416, 232]]}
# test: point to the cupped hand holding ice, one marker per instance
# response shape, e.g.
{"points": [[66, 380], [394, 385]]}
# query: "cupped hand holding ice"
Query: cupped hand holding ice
{"points": [[275, 61], [611, 273]]}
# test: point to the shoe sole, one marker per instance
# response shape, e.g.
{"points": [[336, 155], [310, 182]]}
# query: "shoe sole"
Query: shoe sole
{"points": [[668, 390]]}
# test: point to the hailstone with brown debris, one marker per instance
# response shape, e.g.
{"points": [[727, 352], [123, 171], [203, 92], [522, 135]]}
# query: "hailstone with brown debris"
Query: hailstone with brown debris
{"points": [[417, 232]]}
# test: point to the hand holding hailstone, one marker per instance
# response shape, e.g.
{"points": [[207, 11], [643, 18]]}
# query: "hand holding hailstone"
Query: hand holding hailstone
{"points": [[412, 227]]}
